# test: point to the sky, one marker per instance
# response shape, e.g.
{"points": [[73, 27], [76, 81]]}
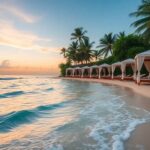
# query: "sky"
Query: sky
{"points": [[32, 32]]}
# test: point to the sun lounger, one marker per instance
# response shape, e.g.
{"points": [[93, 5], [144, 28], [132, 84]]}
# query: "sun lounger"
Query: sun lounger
{"points": [[145, 79]]}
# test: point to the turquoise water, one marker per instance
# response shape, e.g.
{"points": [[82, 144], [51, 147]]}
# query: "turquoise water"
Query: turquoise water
{"points": [[43, 113]]}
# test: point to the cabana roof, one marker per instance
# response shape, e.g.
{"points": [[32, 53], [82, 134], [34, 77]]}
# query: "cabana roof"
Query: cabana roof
{"points": [[104, 65], [143, 54], [128, 61], [77, 68], [95, 66], [117, 64], [69, 68], [85, 67]]}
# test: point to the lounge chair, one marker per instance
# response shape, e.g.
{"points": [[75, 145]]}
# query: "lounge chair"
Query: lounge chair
{"points": [[128, 77], [106, 77], [145, 78], [118, 77]]}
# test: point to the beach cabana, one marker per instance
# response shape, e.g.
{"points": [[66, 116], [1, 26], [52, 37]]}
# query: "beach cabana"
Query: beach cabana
{"points": [[70, 72], [114, 67], [77, 72], [128, 63], [140, 60], [85, 72], [106, 70], [94, 71]]}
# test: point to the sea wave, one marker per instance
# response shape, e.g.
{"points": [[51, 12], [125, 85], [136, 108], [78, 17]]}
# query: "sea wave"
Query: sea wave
{"points": [[11, 94], [17, 118], [49, 89]]}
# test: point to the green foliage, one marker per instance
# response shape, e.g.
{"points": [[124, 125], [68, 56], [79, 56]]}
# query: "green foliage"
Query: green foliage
{"points": [[122, 46], [63, 68], [108, 60], [79, 35], [128, 46], [134, 50], [142, 25], [106, 44], [80, 50]]}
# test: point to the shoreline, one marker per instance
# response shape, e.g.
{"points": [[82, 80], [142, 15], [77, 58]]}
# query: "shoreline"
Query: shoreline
{"points": [[143, 90], [137, 139]]}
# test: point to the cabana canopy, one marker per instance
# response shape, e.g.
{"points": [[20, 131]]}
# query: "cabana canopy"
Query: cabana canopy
{"points": [[140, 59], [126, 62], [77, 68], [104, 66], [95, 66], [91, 69], [84, 68], [70, 69], [113, 67], [77, 71]]}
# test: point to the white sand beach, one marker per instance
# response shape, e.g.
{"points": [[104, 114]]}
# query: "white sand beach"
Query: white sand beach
{"points": [[139, 137]]}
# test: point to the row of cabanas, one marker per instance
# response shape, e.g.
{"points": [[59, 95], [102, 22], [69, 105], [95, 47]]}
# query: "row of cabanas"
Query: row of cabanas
{"points": [[107, 71]]}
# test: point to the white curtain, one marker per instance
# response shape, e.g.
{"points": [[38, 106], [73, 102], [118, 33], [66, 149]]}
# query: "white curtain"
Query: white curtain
{"points": [[91, 69], [133, 66], [147, 66], [66, 72], [100, 69], [113, 69], [82, 72], [140, 61], [123, 67]]}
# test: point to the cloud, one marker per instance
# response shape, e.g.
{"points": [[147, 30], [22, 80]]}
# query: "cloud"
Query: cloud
{"points": [[12, 37], [5, 64], [19, 13]]}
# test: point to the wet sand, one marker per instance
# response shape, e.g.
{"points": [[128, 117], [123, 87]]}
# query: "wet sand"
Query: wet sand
{"points": [[139, 139], [140, 89]]}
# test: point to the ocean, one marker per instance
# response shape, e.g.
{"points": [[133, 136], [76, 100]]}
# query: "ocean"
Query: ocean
{"points": [[45, 113]]}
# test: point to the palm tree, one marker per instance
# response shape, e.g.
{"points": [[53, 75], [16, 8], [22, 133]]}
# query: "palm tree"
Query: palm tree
{"points": [[63, 52], [86, 50], [72, 51], [96, 54], [143, 23], [106, 44], [79, 34], [121, 35]]}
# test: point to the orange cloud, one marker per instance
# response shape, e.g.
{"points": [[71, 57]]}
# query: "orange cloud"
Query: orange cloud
{"points": [[12, 37], [19, 13]]}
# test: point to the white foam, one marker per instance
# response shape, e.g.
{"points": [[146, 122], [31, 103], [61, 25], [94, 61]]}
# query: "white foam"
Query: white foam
{"points": [[119, 139], [56, 147]]}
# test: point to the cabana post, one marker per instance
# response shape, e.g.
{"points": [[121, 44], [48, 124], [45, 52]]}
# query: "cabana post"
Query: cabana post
{"points": [[92, 69], [124, 64], [71, 70], [86, 68], [140, 59], [114, 66], [77, 72], [104, 68]]}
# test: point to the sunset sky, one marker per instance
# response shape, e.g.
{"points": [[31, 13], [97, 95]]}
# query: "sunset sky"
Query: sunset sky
{"points": [[33, 31]]}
